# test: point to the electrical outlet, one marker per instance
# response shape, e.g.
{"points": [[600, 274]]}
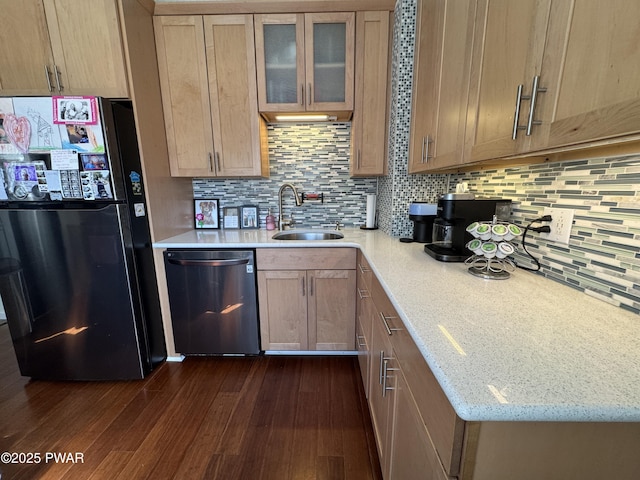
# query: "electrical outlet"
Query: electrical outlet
{"points": [[561, 223]]}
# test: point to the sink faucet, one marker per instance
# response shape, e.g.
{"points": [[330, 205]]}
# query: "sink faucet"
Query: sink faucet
{"points": [[281, 222]]}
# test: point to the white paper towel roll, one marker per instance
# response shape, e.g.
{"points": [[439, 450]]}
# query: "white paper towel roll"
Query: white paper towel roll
{"points": [[371, 211]]}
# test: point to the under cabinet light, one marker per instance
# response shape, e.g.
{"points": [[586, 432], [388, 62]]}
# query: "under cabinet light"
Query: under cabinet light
{"points": [[302, 118]]}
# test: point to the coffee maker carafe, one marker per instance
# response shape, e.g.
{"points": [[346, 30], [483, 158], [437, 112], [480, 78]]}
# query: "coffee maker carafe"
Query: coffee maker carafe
{"points": [[454, 213]]}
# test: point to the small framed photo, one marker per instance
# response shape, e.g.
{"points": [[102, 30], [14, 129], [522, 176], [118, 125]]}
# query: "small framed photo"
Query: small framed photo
{"points": [[231, 217], [206, 212], [250, 217]]}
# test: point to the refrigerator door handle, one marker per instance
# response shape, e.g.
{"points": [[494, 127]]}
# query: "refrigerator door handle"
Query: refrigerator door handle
{"points": [[209, 263]]}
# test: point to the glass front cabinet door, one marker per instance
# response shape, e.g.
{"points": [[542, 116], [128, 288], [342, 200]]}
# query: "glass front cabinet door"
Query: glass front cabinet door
{"points": [[305, 62]]}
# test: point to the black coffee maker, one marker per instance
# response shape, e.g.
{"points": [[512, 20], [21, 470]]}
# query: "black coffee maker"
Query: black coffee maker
{"points": [[422, 214], [455, 212]]}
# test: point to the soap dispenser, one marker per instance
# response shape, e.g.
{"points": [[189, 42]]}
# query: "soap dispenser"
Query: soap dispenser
{"points": [[271, 220]]}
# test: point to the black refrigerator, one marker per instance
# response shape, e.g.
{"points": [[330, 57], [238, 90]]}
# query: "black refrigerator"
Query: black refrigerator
{"points": [[77, 275]]}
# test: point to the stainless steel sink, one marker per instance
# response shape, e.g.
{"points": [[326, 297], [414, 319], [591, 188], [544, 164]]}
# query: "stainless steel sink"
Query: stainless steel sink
{"points": [[294, 235]]}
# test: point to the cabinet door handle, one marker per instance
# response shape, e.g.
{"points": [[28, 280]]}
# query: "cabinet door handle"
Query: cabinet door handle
{"points": [[210, 162], [425, 149], [311, 285], [217, 162], [304, 290], [46, 74], [535, 89], [358, 160], [516, 115], [386, 324], [58, 82], [309, 100], [302, 99], [381, 366], [385, 370]]}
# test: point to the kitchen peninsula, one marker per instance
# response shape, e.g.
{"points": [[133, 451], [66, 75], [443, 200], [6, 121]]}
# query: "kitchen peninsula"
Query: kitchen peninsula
{"points": [[512, 357]]}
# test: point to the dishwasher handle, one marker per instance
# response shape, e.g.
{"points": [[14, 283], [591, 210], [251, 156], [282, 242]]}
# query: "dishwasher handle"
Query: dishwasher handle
{"points": [[209, 263]]}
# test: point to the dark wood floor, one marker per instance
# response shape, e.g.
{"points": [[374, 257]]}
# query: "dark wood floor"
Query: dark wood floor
{"points": [[206, 418]]}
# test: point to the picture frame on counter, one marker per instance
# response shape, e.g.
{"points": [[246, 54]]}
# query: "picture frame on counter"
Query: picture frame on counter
{"points": [[250, 218], [206, 212], [231, 217]]}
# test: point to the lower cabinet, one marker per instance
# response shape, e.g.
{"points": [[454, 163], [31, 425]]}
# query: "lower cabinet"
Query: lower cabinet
{"points": [[306, 297], [420, 436], [382, 381], [404, 440], [364, 318], [413, 455]]}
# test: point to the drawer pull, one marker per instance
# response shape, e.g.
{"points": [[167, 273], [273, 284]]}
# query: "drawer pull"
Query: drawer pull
{"points": [[363, 294], [363, 269], [386, 324]]}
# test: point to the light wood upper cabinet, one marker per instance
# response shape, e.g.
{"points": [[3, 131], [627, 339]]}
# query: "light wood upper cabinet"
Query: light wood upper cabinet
{"points": [[441, 83], [596, 61], [509, 45], [207, 75], [62, 47], [370, 115], [26, 49], [304, 307], [550, 74], [305, 62]]}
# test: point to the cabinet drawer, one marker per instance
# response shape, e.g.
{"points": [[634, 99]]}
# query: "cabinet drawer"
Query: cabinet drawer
{"points": [[445, 427], [306, 258]]}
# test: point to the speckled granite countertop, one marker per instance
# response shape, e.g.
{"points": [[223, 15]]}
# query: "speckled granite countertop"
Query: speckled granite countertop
{"points": [[521, 349]]}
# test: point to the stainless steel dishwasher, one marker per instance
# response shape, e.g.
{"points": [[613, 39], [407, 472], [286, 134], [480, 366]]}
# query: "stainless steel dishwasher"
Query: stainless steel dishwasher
{"points": [[212, 295]]}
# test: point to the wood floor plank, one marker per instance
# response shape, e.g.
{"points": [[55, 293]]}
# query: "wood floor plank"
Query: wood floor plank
{"points": [[213, 418], [111, 466], [304, 454]]}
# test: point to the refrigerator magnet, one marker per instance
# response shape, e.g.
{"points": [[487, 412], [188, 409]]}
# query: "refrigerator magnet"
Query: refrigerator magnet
{"points": [[78, 110]]}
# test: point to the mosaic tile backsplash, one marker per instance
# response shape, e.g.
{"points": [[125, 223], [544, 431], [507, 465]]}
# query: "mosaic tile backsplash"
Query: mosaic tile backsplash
{"points": [[315, 159], [603, 255]]}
